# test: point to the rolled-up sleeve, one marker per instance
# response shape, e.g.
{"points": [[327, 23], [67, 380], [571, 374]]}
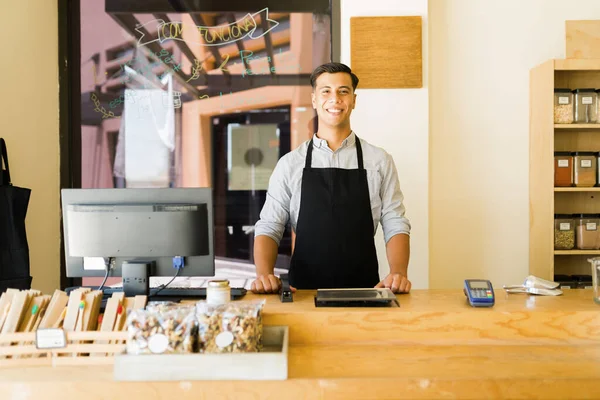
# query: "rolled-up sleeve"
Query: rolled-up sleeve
{"points": [[393, 220], [275, 213]]}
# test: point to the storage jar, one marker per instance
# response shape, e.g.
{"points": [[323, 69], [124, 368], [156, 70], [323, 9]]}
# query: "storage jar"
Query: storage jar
{"points": [[566, 282], [584, 281], [584, 167], [598, 106], [563, 106], [586, 231], [598, 169], [596, 278], [564, 232], [563, 169], [586, 106], [218, 292]]}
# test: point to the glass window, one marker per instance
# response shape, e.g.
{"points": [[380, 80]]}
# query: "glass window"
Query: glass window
{"points": [[195, 94]]}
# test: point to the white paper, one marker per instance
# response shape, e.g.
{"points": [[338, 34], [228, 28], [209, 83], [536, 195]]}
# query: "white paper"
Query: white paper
{"points": [[149, 139], [94, 264], [52, 338]]}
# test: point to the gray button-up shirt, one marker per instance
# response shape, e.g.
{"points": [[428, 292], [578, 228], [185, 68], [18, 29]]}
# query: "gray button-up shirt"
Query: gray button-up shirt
{"points": [[284, 193]]}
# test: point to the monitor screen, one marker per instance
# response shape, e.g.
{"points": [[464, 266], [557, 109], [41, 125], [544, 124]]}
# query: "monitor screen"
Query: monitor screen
{"points": [[153, 225]]}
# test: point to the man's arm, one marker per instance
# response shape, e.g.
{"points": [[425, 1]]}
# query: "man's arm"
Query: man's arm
{"points": [[269, 229], [398, 254], [265, 254], [396, 229]]}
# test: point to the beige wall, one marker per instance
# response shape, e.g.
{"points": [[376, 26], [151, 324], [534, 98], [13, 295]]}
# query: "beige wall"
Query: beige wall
{"points": [[397, 120], [480, 56], [29, 123]]}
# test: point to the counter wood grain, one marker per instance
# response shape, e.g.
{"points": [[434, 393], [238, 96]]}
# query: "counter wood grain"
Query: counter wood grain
{"points": [[433, 346]]}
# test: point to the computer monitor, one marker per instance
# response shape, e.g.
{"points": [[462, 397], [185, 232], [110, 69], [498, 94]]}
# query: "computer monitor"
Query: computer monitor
{"points": [[130, 227]]}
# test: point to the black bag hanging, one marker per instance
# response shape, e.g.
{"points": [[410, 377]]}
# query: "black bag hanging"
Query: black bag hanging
{"points": [[14, 250]]}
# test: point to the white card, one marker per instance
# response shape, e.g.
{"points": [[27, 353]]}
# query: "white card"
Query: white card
{"points": [[51, 338]]}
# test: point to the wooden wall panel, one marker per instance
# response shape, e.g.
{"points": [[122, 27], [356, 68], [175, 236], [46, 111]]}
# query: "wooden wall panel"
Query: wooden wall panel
{"points": [[583, 39], [386, 52]]}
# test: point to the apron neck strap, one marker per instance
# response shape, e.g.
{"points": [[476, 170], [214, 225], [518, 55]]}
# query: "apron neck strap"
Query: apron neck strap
{"points": [[359, 154], [309, 154]]}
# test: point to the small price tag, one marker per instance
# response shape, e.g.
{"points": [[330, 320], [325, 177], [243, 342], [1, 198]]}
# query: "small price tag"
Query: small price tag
{"points": [[586, 163], [52, 338]]}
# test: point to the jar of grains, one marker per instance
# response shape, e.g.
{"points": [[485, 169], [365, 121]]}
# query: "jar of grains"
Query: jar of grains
{"points": [[584, 167], [563, 169], [563, 106], [564, 232], [585, 101]]}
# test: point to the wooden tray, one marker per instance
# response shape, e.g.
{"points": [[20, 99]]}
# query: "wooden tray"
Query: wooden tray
{"points": [[83, 348], [269, 364]]}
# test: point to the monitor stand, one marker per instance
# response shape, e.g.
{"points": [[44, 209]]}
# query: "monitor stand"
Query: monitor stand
{"points": [[136, 278]]}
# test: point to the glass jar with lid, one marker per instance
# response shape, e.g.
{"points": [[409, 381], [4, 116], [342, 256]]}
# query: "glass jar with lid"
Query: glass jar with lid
{"points": [[598, 106], [598, 169], [584, 168], [586, 106], [218, 292], [564, 232], [586, 231], [563, 106], [563, 169]]}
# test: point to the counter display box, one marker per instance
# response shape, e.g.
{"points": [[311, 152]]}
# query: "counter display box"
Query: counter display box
{"points": [[269, 364]]}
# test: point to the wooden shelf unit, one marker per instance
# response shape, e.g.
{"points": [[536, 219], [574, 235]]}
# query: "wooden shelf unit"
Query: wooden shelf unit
{"points": [[545, 138], [577, 126], [577, 189], [576, 252]]}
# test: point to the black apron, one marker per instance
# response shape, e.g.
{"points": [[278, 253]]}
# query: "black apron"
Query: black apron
{"points": [[335, 247]]}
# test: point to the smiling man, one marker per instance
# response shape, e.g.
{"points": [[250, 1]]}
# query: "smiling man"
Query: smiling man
{"points": [[334, 189]]}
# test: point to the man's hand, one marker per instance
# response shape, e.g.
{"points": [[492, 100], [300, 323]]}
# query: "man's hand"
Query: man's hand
{"points": [[397, 282], [267, 284]]}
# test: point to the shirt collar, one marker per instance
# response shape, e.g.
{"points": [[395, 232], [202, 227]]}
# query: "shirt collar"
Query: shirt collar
{"points": [[349, 141]]}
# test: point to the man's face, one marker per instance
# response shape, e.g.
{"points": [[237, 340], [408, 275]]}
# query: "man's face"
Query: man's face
{"points": [[334, 99]]}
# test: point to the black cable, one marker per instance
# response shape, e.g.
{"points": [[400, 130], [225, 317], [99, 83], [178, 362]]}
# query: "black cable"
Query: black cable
{"points": [[164, 286]]}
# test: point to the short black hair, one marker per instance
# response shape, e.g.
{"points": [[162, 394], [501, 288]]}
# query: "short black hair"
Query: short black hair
{"points": [[333, 68]]}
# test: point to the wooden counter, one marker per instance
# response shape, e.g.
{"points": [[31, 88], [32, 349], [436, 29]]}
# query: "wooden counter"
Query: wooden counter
{"points": [[433, 346]]}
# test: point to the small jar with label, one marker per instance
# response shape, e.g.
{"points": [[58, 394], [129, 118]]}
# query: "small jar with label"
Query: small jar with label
{"points": [[564, 232], [218, 292], [586, 231], [598, 169], [563, 106], [563, 169], [598, 106], [586, 106], [584, 168]]}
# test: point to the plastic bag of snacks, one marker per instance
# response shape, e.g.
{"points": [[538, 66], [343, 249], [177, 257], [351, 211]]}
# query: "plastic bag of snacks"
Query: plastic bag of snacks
{"points": [[171, 331], [163, 306], [234, 327]]}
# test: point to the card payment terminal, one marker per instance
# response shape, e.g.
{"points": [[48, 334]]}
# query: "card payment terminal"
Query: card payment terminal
{"points": [[479, 292]]}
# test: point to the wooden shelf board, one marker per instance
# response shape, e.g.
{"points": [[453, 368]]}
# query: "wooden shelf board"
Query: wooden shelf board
{"points": [[576, 64], [576, 252], [577, 126], [577, 189]]}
